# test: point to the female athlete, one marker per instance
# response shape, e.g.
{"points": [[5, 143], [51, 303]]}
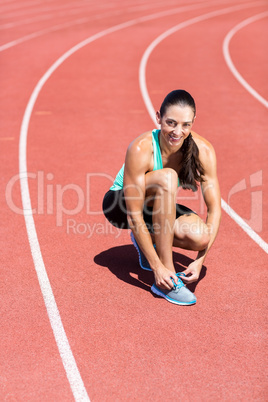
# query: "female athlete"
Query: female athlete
{"points": [[143, 197]]}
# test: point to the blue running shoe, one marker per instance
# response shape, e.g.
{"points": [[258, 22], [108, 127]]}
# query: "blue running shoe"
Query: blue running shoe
{"points": [[179, 294], [142, 259]]}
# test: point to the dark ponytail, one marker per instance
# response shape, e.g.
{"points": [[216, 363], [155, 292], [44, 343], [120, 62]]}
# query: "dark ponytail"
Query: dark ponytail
{"points": [[192, 170]]}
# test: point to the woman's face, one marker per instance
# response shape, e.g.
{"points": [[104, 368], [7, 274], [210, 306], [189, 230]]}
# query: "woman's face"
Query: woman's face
{"points": [[176, 124]]}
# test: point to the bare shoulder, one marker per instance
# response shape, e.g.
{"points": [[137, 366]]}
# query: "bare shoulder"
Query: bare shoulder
{"points": [[206, 150], [142, 143], [139, 152], [207, 155]]}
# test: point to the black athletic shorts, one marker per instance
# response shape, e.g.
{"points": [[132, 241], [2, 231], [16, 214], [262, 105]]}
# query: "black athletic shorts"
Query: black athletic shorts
{"points": [[114, 209]]}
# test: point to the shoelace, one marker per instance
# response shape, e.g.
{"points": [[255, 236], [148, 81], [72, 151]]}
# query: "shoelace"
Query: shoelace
{"points": [[180, 284]]}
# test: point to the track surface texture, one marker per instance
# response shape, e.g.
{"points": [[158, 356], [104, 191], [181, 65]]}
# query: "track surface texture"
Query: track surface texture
{"points": [[78, 320]]}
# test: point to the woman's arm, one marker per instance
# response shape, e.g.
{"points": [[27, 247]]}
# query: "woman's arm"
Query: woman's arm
{"points": [[211, 193], [137, 163]]}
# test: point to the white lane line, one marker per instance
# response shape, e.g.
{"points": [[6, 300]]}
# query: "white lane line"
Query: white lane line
{"points": [[164, 35], [6, 6], [70, 11], [44, 31], [253, 235], [52, 9], [69, 363], [49, 16], [144, 91], [228, 59], [67, 357]]}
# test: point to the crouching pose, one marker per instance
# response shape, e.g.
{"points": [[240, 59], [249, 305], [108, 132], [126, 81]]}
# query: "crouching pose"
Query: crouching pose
{"points": [[143, 197]]}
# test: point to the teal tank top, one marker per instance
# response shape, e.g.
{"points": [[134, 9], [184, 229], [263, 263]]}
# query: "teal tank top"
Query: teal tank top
{"points": [[158, 164]]}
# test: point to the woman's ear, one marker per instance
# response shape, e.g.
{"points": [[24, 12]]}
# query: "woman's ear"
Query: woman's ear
{"points": [[158, 117]]}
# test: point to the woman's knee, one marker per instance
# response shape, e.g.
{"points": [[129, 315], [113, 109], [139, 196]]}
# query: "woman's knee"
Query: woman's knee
{"points": [[195, 234], [201, 241], [197, 241], [163, 180]]}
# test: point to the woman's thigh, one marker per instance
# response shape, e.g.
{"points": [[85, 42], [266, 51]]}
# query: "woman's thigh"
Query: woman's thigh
{"points": [[158, 181]]}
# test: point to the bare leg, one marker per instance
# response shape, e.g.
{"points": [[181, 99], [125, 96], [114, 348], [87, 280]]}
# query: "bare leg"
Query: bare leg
{"points": [[162, 186], [191, 233]]}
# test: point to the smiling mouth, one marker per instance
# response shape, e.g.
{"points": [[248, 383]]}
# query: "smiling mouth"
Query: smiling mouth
{"points": [[174, 138]]}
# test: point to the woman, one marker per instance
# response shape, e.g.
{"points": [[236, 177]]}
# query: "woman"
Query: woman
{"points": [[143, 196]]}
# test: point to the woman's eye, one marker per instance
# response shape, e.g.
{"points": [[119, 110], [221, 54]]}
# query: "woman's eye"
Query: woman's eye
{"points": [[171, 123]]}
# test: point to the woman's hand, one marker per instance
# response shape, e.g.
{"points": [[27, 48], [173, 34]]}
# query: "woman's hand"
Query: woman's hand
{"points": [[193, 272], [163, 278]]}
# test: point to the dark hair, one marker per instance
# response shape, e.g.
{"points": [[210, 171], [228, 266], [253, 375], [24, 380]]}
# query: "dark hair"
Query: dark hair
{"points": [[192, 170]]}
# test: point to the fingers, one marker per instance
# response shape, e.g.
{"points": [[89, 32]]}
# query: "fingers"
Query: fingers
{"points": [[186, 272], [166, 280], [174, 280], [190, 279], [185, 278], [192, 273], [168, 283], [173, 277]]}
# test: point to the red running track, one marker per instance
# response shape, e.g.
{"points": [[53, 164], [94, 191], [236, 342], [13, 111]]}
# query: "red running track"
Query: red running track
{"points": [[119, 342]]}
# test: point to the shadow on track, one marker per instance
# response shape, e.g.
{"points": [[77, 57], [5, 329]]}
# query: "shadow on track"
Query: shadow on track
{"points": [[122, 261]]}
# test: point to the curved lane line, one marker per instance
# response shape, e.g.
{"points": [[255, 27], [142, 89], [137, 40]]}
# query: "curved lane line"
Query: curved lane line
{"points": [[44, 17], [228, 59], [144, 91], [44, 31], [164, 35], [250, 232], [69, 363], [22, 13], [67, 357], [7, 7]]}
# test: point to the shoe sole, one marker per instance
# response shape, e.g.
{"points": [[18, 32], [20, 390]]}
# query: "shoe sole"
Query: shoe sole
{"points": [[137, 248], [158, 292]]}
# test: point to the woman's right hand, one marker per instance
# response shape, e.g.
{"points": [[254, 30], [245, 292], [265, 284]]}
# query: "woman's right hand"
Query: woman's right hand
{"points": [[163, 278]]}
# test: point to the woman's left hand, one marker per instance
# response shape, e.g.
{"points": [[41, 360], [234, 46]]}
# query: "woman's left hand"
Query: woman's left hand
{"points": [[192, 272]]}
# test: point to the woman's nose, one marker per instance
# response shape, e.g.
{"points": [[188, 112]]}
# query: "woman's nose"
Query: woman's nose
{"points": [[178, 130]]}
